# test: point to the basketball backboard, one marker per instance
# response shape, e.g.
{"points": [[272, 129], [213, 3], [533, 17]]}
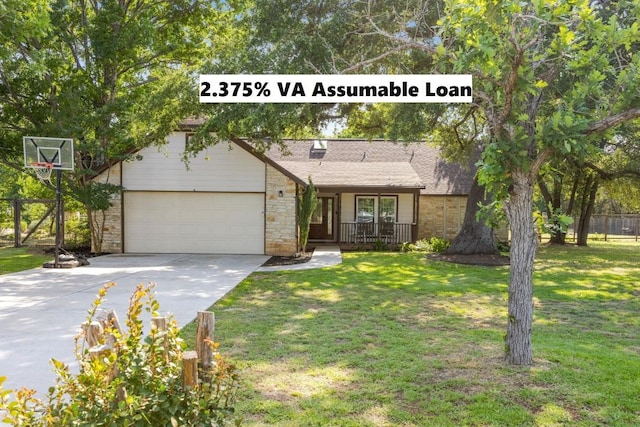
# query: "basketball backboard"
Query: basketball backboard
{"points": [[56, 151]]}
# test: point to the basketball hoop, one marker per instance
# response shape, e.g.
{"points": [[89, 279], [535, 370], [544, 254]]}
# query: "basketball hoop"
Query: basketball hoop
{"points": [[43, 171]]}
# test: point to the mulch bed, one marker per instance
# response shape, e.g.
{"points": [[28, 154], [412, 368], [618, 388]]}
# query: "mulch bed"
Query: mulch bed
{"points": [[476, 259], [289, 260]]}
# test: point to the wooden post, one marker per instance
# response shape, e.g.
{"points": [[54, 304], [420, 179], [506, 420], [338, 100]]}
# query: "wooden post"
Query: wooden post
{"points": [[99, 351], [92, 333], [204, 338], [112, 319], [160, 325], [17, 232], [189, 369], [108, 320]]}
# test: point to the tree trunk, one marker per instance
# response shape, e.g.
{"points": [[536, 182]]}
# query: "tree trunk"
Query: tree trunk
{"points": [[96, 226], [552, 202], [589, 192], [524, 241], [558, 238], [475, 237]]}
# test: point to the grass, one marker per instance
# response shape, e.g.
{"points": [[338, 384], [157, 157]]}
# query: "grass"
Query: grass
{"points": [[19, 259], [393, 339]]}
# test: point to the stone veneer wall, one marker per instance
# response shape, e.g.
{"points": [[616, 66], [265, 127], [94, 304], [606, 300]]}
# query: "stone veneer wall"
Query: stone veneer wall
{"points": [[442, 216], [112, 228], [280, 214]]}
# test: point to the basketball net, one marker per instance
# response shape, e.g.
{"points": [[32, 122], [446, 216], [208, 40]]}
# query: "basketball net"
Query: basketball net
{"points": [[43, 171]]}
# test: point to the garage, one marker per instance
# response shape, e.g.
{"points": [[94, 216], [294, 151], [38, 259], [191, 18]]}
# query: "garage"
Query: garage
{"points": [[193, 222]]}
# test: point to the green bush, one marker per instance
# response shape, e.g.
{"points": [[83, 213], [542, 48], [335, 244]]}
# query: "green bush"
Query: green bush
{"points": [[407, 247], [136, 381], [77, 232], [503, 246], [439, 245], [8, 225], [432, 244]]}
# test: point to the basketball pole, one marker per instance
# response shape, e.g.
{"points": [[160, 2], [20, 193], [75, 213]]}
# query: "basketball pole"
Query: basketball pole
{"points": [[56, 262]]}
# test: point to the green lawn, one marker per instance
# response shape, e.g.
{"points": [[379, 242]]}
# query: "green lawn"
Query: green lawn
{"points": [[18, 259], [389, 339]]}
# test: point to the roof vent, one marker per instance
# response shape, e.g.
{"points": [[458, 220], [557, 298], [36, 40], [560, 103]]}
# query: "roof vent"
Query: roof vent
{"points": [[319, 146]]}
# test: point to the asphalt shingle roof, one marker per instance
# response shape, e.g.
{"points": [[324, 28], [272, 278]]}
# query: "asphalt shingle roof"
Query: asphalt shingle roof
{"points": [[352, 174], [374, 163]]}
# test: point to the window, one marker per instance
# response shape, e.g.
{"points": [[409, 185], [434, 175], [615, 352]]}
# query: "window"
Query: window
{"points": [[388, 209], [365, 209], [376, 208]]}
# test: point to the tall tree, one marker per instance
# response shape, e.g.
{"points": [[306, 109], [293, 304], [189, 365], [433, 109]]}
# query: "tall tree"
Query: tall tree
{"points": [[570, 186], [307, 203], [521, 55], [115, 75], [544, 82]]}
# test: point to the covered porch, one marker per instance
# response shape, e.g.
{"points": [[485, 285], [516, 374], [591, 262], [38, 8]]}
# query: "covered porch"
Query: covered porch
{"points": [[363, 217], [362, 202]]}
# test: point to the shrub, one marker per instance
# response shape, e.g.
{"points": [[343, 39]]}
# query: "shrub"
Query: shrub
{"points": [[379, 245], [77, 232], [503, 246], [407, 247], [439, 245], [136, 381], [432, 244]]}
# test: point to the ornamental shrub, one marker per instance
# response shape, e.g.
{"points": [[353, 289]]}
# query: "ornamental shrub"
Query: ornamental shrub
{"points": [[432, 244], [135, 381]]}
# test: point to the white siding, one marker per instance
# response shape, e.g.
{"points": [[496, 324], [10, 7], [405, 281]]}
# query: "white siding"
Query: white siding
{"points": [[229, 168], [347, 207], [405, 208]]}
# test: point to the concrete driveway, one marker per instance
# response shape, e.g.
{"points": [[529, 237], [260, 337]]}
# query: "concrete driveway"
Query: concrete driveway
{"points": [[41, 310]]}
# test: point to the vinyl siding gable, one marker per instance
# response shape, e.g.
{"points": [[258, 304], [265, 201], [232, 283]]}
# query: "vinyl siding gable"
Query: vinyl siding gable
{"points": [[224, 167]]}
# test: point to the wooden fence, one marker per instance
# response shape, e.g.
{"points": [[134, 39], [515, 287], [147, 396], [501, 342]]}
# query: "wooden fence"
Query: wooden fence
{"points": [[16, 206], [100, 343]]}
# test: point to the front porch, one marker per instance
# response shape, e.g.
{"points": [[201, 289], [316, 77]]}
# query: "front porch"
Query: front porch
{"points": [[365, 218], [372, 232]]}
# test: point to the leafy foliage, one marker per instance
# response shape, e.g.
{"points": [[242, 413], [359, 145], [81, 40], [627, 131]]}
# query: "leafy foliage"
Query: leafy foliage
{"points": [[557, 223], [115, 76], [307, 203], [135, 381], [431, 244]]}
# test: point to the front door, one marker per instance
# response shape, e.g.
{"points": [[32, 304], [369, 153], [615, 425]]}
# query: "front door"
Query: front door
{"points": [[322, 220]]}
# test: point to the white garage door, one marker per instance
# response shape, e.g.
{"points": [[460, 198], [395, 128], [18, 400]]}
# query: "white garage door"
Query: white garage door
{"points": [[212, 223]]}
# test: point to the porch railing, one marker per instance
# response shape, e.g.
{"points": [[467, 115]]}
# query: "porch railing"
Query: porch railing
{"points": [[370, 232]]}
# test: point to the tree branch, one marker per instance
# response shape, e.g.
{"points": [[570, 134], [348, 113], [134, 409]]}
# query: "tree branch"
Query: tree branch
{"points": [[612, 121], [374, 60]]}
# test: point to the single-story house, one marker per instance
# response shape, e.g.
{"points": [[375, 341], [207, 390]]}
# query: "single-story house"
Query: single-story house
{"points": [[232, 199]]}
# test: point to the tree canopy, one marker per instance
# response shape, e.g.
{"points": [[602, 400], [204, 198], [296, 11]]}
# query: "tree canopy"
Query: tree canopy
{"points": [[551, 78], [114, 75]]}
